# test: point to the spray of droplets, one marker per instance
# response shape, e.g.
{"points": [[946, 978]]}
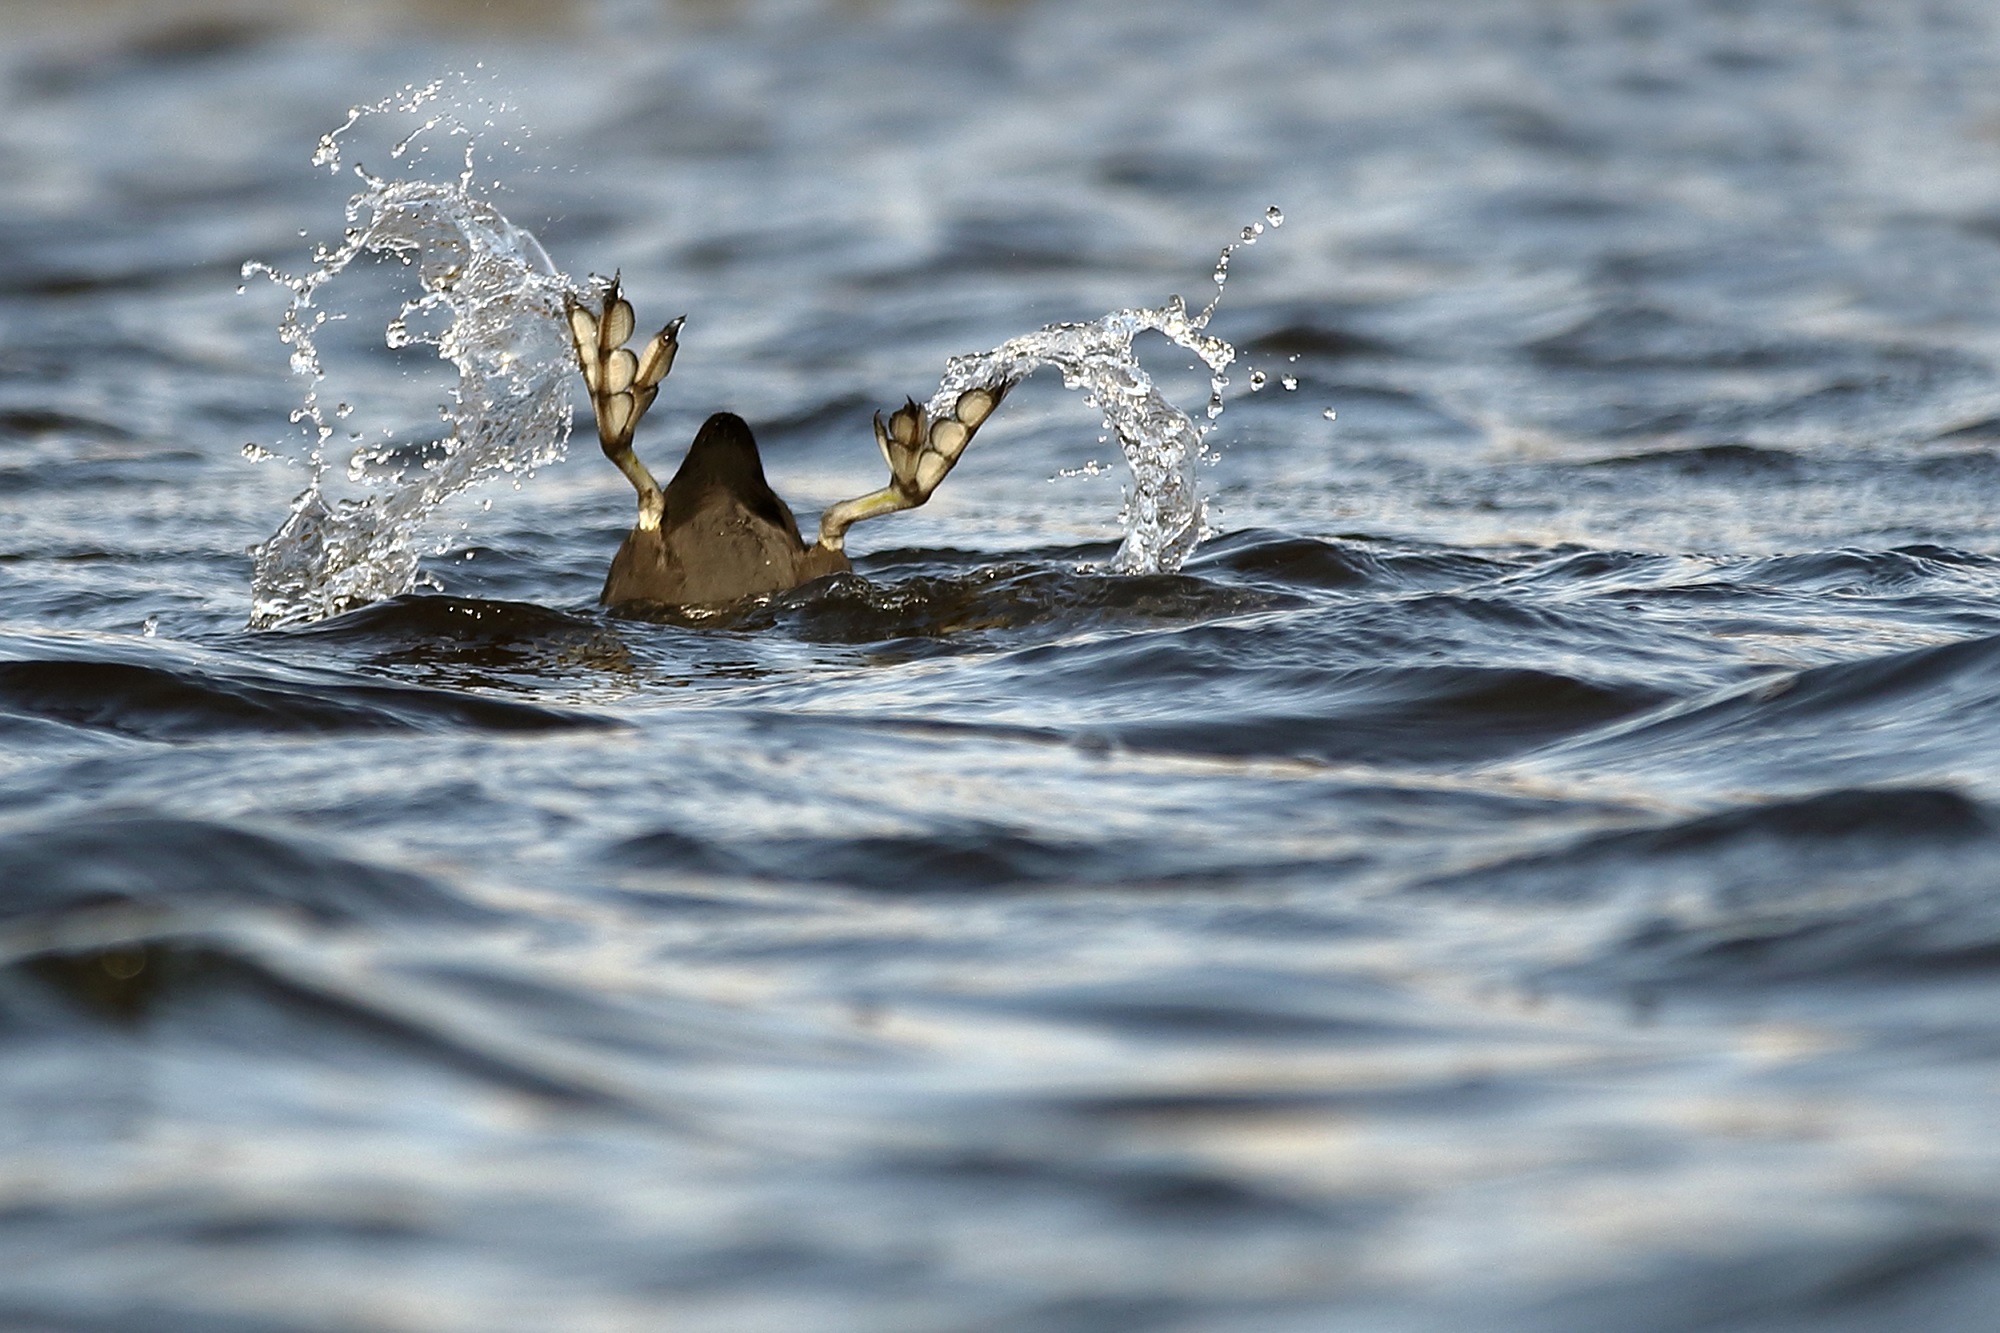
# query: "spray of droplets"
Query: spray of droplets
{"points": [[1164, 515], [498, 297], [502, 299]]}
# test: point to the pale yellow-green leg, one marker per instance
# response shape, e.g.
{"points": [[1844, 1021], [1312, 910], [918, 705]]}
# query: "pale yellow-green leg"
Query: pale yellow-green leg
{"points": [[920, 452]]}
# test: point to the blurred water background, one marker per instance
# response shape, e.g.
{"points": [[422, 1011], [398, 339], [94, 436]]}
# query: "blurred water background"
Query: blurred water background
{"points": [[1533, 869]]}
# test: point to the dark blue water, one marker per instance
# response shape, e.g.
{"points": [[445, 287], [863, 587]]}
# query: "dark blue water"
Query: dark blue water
{"points": [[1534, 870]]}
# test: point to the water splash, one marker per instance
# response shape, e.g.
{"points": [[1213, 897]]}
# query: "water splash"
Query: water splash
{"points": [[1164, 515], [498, 297], [510, 412]]}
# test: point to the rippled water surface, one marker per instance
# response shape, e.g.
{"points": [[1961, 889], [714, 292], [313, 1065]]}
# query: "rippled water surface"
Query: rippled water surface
{"points": [[1536, 868]]}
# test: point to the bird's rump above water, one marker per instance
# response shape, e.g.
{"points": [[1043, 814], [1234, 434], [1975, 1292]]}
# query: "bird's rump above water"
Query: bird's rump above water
{"points": [[717, 532]]}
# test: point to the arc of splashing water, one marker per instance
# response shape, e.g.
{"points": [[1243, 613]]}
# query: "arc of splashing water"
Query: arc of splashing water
{"points": [[1164, 515], [511, 410]]}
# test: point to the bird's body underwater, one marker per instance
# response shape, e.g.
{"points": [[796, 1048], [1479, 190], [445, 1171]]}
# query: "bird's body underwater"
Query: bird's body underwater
{"points": [[718, 532]]}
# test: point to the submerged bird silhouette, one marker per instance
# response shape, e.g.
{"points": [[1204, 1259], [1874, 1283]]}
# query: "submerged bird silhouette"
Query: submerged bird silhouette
{"points": [[718, 532]]}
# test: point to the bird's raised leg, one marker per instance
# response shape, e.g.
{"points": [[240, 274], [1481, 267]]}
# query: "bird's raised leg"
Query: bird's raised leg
{"points": [[622, 384], [919, 450]]}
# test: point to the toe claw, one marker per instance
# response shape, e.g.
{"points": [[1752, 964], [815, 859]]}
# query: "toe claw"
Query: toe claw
{"points": [[906, 425], [882, 443], [658, 358]]}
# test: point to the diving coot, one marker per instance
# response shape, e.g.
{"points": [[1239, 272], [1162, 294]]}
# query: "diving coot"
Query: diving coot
{"points": [[718, 532]]}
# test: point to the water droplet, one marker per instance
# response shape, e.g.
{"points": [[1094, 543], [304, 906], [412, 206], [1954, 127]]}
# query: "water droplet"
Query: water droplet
{"points": [[1290, 382], [1273, 216], [342, 410], [1328, 414], [150, 626], [257, 453], [1257, 379]]}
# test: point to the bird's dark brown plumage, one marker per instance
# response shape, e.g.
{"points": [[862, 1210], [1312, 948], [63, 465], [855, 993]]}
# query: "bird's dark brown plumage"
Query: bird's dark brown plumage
{"points": [[718, 532], [725, 533]]}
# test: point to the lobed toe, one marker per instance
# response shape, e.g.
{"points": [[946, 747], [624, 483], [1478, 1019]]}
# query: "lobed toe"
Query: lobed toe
{"points": [[617, 325]]}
